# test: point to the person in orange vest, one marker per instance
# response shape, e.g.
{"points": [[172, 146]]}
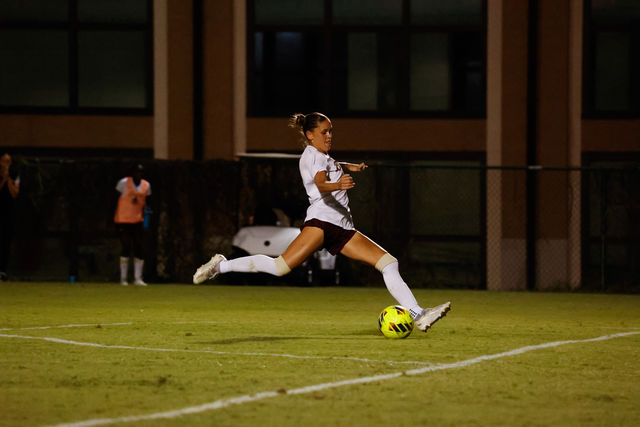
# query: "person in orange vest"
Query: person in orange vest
{"points": [[129, 218]]}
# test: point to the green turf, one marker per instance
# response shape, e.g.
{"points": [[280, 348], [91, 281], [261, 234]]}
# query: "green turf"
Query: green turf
{"points": [[44, 383]]}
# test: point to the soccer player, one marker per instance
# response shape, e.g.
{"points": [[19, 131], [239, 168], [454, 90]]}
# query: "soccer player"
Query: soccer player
{"points": [[328, 224]]}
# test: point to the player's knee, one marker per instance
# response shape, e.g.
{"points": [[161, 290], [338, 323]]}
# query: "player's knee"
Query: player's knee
{"points": [[384, 261], [282, 266]]}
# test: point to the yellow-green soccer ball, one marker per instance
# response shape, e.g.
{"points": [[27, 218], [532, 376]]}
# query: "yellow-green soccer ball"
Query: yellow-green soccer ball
{"points": [[395, 321]]}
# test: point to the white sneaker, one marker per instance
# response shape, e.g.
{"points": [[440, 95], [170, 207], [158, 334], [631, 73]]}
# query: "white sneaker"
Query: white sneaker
{"points": [[429, 316], [139, 282], [124, 283], [209, 270]]}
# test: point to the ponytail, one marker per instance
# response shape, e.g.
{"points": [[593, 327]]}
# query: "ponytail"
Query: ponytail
{"points": [[303, 123]]}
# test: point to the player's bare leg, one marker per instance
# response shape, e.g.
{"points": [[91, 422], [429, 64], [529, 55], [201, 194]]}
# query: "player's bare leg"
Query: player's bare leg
{"points": [[361, 248], [308, 241]]}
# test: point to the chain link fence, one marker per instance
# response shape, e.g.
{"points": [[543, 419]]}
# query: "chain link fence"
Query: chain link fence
{"points": [[451, 224]]}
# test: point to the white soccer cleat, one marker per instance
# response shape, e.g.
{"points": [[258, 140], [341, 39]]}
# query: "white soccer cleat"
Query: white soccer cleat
{"points": [[209, 270], [139, 282], [429, 316], [124, 283]]}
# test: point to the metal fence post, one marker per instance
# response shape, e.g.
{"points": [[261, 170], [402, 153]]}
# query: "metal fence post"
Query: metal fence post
{"points": [[603, 230], [72, 205]]}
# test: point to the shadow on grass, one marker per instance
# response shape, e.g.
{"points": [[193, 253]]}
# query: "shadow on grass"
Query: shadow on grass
{"points": [[251, 339], [364, 332]]}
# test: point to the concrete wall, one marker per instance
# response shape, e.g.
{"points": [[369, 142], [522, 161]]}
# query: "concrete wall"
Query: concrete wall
{"points": [[367, 135], [76, 131]]}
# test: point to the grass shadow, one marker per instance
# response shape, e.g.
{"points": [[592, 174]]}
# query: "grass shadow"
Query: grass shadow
{"points": [[251, 339]]}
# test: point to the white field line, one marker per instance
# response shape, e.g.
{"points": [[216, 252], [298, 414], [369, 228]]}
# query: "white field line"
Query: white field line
{"points": [[190, 322], [232, 353], [248, 398], [85, 325], [618, 328], [79, 325]]}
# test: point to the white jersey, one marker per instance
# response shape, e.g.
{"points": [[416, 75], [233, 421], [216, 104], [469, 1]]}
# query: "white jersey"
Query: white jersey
{"points": [[332, 207]]}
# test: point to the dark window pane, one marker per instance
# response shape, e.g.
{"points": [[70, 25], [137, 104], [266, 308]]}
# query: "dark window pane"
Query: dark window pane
{"points": [[430, 72], [446, 12], [615, 12], [119, 11], [282, 12], [34, 10], [34, 68], [258, 43], [339, 68], [362, 69], [468, 85], [372, 12], [287, 72], [366, 70], [612, 79], [390, 55], [256, 82], [111, 69]]}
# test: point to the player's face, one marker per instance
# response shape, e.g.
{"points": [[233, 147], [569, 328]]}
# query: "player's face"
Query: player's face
{"points": [[321, 136]]}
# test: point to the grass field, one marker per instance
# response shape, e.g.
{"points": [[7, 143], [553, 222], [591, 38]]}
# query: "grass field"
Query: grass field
{"points": [[281, 356]]}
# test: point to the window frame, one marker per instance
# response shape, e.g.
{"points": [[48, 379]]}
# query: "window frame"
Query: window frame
{"points": [[405, 30], [73, 27]]}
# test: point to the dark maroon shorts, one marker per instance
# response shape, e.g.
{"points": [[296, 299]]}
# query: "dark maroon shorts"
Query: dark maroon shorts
{"points": [[334, 237]]}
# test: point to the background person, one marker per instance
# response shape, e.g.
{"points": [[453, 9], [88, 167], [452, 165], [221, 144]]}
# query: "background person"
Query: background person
{"points": [[9, 190], [129, 217], [328, 224]]}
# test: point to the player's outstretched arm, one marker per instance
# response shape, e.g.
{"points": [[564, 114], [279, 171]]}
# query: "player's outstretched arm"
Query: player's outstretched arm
{"points": [[354, 167]]}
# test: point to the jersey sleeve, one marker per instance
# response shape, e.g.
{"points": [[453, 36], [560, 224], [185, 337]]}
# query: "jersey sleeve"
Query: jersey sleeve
{"points": [[316, 162], [121, 186]]}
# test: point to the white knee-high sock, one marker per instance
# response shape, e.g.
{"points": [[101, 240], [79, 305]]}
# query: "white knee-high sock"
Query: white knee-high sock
{"points": [[138, 268], [251, 264], [124, 268], [399, 289]]}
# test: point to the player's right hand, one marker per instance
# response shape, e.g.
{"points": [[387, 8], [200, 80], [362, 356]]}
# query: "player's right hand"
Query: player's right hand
{"points": [[346, 182]]}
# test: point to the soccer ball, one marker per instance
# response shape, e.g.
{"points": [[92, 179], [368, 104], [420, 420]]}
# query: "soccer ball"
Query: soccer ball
{"points": [[395, 321]]}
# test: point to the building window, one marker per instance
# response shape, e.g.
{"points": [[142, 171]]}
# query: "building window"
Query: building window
{"points": [[381, 58], [612, 58], [76, 56]]}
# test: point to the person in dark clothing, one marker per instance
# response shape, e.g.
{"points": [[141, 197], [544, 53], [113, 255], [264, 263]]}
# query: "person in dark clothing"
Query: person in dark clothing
{"points": [[9, 190]]}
